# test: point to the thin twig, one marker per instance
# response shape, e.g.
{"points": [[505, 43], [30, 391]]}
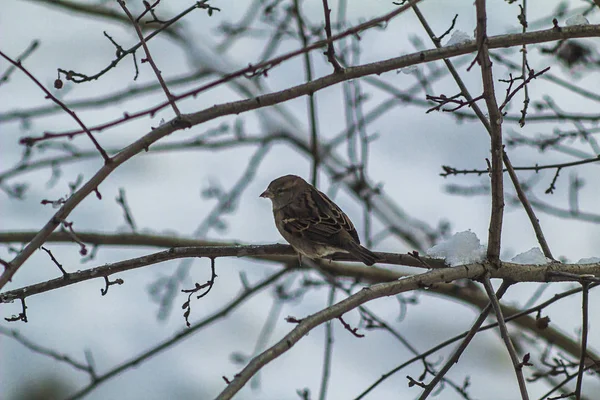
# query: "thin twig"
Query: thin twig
{"points": [[517, 364], [532, 75], [127, 214], [453, 171], [330, 53], [328, 349], [55, 261], [71, 232], [32, 47], [525, 65], [197, 288], [149, 59], [105, 12], [47, 351], [314, 127], [535, 223], [549, 77]]}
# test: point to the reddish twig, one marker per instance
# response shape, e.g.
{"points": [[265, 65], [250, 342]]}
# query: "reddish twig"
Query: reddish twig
{"points": [[510, 94], [55, 261], [77, 77], [353, 331], [442, 100], [62, 105], [71, 232]]}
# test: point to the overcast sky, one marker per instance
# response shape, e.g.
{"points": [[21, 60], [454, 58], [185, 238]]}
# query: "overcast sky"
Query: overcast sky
{"points": [[164, 192]]}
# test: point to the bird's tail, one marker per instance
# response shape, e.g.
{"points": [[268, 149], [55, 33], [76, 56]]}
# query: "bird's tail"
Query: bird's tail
{"points": [[362, 253]]}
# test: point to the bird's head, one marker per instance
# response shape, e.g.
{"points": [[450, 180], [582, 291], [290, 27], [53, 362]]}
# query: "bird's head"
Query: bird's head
{"points": [[284, 189]]}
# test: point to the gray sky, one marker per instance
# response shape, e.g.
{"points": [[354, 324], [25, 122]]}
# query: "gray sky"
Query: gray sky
{"points": [[164, 192]]}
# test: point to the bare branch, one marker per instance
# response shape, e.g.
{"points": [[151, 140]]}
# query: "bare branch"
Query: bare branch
{"points": [[497, 148], [585, 286], [330, 53], [149, 59]]}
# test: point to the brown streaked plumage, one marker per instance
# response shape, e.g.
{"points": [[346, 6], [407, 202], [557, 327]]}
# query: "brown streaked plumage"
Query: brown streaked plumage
{"points": [[313, 224]]}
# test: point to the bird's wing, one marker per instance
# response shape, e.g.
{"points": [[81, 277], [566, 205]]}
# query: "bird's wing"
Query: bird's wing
{"points": [[314, 216]]}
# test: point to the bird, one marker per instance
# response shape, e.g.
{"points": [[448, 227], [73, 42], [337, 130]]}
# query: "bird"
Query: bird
{"points": [[313, 224]]}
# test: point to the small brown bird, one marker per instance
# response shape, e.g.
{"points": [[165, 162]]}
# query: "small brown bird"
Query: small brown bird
{"points": [[312, 223]]}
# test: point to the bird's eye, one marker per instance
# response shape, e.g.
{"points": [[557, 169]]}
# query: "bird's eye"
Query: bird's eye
{"points": [[280, 190]]}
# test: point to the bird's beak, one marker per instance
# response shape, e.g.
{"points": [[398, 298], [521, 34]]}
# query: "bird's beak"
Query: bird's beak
{"points": [[267, 194]]}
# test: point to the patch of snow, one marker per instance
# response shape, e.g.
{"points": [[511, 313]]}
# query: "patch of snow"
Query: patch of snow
{"points": [[578, 19], [458, 37], [148, 231], [169, 232], [123, 229], [589, 260], [532, 256], [58, 203], [409, 70], [461, 248]]}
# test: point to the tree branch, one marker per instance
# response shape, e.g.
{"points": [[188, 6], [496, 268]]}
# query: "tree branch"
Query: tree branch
{"points": [[495, 121]]}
